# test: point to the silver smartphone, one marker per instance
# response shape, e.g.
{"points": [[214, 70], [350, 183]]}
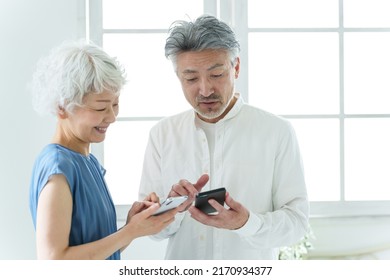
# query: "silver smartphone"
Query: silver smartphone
{"points": [[170, 203]]}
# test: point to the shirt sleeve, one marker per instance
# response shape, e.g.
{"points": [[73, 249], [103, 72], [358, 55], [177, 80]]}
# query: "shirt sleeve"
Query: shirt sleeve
{"points": [[49, 163], [288, 222], [251, 227]]}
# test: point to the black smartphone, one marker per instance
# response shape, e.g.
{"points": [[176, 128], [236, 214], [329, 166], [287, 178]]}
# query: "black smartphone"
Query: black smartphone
{"points": [[202, 203]]}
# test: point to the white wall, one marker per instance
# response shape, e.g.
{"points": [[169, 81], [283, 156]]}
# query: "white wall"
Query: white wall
{"points": [[28, 30]]}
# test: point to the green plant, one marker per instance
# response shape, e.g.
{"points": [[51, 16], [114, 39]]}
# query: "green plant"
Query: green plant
{"points": [[299, 250]]}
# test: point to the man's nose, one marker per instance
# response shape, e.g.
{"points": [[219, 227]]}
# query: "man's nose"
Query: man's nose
{"points": [[206, 88]]}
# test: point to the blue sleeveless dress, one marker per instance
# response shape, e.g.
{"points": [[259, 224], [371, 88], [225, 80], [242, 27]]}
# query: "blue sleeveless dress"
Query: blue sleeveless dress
{"points": [[93, 215]]}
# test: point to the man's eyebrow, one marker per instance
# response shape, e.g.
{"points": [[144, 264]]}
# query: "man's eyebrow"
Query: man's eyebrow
{"points": [[215, 66], [190, 71]]}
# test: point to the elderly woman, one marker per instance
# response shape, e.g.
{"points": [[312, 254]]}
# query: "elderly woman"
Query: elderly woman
{"points": [[72, 210]]}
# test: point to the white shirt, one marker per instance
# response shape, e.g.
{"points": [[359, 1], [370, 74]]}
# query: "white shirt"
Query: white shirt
{"points": [[256, 158]]}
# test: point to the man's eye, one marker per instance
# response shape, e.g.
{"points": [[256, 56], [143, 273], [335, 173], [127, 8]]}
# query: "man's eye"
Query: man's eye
{"points": [[216, 75], [100, 110]]}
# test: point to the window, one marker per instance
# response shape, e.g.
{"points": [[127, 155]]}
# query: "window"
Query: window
{"points": [[322, 64], [135, 33]]}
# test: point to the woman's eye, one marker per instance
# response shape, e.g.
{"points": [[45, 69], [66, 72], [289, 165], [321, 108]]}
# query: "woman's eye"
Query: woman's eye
{"points": [[114, 107]]}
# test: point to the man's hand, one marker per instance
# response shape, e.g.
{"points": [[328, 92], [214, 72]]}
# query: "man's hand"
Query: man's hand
{"points": [[191, 190], [234, 217]]}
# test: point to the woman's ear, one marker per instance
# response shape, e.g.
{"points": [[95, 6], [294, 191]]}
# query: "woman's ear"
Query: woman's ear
{"points": [[62, 113]]}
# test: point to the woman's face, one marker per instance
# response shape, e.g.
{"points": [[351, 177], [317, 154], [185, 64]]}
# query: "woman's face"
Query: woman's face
{"points": [[88, 123]]}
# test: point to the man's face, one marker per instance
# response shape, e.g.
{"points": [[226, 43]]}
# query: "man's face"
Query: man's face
{"points": [[207, 79]]}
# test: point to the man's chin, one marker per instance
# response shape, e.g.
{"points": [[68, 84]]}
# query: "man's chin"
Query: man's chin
{"points": [[209, 115]]}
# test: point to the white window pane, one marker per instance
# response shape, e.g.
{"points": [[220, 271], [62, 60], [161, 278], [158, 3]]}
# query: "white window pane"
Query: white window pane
{"points": [[367, 159], [367, 73], [320, 149], [124, 149], [297, 13], [294, 73], [153, 88], [366, 13], [135, 14]]}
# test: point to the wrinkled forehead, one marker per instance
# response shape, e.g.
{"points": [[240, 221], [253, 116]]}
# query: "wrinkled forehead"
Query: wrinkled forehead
{"points": [[197, 61]]}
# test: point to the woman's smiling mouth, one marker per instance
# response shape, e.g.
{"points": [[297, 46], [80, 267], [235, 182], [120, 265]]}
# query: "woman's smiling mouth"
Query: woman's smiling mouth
{"points": [[101, 129]]}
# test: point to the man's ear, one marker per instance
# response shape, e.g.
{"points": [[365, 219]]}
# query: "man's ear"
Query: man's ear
{"points": [[237, 67]]}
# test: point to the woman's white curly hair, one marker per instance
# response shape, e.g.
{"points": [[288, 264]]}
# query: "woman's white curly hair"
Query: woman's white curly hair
{"points": [[71, 71]]}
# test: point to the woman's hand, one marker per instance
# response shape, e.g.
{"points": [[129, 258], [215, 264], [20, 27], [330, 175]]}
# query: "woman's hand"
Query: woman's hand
{"points": [[141, 222]]}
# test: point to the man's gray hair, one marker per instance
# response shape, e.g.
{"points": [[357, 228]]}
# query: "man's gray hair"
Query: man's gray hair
{"points": [[206, 32]]}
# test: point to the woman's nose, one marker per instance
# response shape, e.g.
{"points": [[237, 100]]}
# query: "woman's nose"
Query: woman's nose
{"points": [[111, 115]]}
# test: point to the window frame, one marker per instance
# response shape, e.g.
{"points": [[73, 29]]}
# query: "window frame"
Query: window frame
{"points": [[234, 12]]}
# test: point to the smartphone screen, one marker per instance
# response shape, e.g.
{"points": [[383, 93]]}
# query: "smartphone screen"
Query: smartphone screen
{"points": [[201, 200], [170, 203]]}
